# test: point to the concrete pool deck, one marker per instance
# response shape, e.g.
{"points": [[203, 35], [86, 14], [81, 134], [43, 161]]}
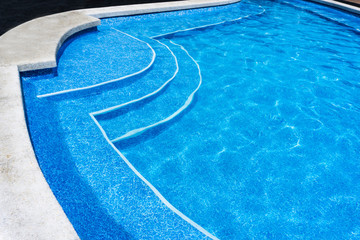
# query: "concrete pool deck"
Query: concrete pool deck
{"points": [[28, 209]]}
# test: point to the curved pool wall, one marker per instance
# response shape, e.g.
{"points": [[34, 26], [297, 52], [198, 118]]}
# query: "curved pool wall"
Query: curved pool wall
{"points": [[101, 96], [55, 97], [27, 213], [26, 199]]}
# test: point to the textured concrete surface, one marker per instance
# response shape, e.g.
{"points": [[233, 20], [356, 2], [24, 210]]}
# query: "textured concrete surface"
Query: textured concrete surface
{"points": [[152, 8], [351, 2], [28, 209], [34, 44], [340, 5]]}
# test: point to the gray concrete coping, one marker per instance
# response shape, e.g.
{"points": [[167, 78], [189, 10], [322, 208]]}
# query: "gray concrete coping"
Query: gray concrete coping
{"points": [[137, 9], [340, 5], [34, 44], [28, 209]]}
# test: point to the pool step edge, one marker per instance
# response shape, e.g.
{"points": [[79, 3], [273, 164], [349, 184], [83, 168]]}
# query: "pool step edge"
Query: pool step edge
{"points": [[34, 44]]}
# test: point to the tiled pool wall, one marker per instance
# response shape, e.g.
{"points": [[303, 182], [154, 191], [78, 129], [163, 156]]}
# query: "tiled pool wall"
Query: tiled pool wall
{"points": [[27, 199], [139, 213]]}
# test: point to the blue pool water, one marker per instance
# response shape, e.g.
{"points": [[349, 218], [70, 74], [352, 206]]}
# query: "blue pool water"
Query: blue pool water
{"points": [[241, 119]]}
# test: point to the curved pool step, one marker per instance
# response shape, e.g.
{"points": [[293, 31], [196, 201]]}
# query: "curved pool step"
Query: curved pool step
{"points": [[206, 26], [144, 87], [137, 55], [145, 97], [167, 106]]}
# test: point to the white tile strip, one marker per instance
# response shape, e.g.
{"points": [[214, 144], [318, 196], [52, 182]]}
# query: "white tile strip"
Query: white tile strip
{"points": [[152, 8]]}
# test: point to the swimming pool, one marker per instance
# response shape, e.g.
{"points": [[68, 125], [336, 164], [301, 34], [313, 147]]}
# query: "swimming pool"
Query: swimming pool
{"points": [[244, 117]]}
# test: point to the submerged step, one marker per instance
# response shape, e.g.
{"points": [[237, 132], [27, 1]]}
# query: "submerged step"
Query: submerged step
{"points": [[162, 71], [120, 124], [89, 62], [141, 87]]}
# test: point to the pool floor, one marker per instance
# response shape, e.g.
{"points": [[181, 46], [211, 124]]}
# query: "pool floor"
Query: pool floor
{"points": [[241, 119]]}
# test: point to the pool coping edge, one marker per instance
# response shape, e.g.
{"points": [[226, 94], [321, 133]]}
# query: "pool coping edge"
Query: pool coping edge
{"points": [[339, 5]]}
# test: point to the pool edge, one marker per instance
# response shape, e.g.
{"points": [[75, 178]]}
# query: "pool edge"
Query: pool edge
{"points": [[338, 5], [29, 210], [18, 161]]}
